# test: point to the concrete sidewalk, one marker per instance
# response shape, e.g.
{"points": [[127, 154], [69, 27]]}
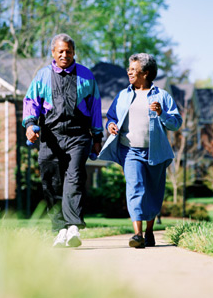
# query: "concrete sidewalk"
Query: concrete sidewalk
{"points": [[160, 271]]}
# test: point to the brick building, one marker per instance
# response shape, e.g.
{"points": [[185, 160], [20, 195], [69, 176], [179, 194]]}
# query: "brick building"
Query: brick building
{"points": [[8, 140]]}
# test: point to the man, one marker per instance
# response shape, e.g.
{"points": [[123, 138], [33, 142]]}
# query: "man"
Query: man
{"points": [[64, 100]]}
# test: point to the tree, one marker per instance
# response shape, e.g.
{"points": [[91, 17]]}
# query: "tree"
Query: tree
{"points": [[12, 41], [207, 138], [181, 142], [178, 142], [103, 30], [207, 83], [121, 28]]}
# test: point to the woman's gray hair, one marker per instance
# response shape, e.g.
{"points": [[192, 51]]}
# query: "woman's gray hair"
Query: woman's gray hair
{"points": [[63, 37], [147, 62]]}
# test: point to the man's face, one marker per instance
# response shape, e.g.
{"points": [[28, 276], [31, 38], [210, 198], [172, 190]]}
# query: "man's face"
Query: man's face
{"points": [[63, 54]]}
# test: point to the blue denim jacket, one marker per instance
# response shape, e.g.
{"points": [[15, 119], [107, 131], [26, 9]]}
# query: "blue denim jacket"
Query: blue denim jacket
{"points": [[170, 119]]}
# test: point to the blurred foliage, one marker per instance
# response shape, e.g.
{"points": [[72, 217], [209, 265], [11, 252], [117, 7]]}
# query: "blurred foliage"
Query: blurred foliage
{"points": [[124, 27], [168, 194], [110, 196], [207, 83], [208, 178], [203, 200], [30, 178], [170, 65], [193, 211], [104, 29], [198, 189], [34, 168]]}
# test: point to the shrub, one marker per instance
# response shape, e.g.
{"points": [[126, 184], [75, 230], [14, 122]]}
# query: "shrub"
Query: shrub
{"points": [[197, 212], [110, 196], [35, 178], [30, 179], [168, 195], [192, 211], [198, 189]]}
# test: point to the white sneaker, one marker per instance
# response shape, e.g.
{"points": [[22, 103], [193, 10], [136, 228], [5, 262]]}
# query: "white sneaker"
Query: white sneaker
{"points": [[60, 239], [73, 237]]}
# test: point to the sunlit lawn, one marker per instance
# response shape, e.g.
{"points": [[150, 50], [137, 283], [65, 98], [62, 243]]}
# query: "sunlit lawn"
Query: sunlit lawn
{"points": [[96, 226], [205, 201]]}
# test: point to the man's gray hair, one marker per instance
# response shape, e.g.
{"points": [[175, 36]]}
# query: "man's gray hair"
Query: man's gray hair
{"points": [[63, 37], [147, 62]]}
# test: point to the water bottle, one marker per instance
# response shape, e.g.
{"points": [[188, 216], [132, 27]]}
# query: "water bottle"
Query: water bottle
{"points": [[153, 114], [93, 156]]}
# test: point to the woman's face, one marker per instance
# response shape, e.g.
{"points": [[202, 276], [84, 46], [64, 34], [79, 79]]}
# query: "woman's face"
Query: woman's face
{"points": [[136, 76]]}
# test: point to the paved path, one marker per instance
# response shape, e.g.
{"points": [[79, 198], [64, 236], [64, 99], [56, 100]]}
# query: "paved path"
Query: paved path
{"points": [[160, 271]]}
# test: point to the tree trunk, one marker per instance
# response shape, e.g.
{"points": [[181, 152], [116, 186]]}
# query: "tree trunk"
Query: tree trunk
{"points": [[175, 193], [15, 50]]}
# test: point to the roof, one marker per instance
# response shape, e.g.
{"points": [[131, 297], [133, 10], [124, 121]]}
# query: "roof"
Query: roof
{"points": [[111, 79], [161, 82], [188, 90], [204, 105], [26, 67], [178, 96], [182, 93]]}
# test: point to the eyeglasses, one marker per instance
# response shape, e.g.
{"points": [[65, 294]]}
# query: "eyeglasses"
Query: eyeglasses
{"points": [[133, 70]]}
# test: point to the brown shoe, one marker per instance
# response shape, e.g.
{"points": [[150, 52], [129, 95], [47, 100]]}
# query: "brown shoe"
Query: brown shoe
{"points": [[149, 239], [137, 241]]}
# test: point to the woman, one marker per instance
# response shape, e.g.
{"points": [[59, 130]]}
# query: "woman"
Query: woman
{"points": [[137, 121]]}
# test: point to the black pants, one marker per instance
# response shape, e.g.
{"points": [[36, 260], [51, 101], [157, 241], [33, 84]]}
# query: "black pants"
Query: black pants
{"points": [[62, 162]]}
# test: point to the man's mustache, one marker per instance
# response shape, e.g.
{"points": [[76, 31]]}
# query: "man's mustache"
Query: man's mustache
{"points": [[65, 59]]}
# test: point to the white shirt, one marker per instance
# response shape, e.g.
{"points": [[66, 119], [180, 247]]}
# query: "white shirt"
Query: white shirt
{"points": [[135, 129]]}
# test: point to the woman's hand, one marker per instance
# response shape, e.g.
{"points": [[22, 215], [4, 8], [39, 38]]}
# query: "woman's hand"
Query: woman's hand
{"points": [[155, 106], [113, 129]]}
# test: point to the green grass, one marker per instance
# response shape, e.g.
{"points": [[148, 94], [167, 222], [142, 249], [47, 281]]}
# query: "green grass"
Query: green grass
{"points": [[96, 226], [205, 201], [195, 236], [30, 267], [211, 214]]}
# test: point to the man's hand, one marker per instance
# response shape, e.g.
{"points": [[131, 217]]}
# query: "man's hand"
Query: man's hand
{"points": [[96, 148], [31, 135]]}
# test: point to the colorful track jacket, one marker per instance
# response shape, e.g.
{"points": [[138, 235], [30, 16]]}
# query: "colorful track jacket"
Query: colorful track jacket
{"points": [[38, 99]]}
